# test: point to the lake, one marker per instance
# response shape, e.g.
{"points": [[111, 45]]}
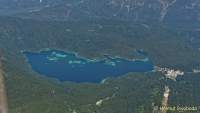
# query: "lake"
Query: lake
{"points": [[71, 67]]}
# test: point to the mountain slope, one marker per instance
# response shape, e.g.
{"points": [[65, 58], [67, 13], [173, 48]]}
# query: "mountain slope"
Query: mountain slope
{"points": [[131, 10]]}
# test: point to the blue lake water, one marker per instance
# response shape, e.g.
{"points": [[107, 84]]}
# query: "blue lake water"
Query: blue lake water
{"points": [[70, 67]]}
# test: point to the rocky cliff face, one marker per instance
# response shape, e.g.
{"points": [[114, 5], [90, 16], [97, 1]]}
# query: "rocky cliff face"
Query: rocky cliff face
{"points": [[131, 10]]}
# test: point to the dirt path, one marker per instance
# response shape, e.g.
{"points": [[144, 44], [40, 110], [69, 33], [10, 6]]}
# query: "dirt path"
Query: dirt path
{"points": [[3, 96], [165, 99]]}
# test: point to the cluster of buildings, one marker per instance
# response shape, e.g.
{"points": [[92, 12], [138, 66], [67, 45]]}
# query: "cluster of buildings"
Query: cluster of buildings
{"points": [[169, 73], [196, 71]]}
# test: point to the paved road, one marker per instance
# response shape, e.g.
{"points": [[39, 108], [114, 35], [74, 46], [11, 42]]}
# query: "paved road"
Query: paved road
{"points": [[3, 96]]}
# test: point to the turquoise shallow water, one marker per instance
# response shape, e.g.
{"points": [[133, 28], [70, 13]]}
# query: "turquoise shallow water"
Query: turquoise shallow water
{"points": [[69, 67]]}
